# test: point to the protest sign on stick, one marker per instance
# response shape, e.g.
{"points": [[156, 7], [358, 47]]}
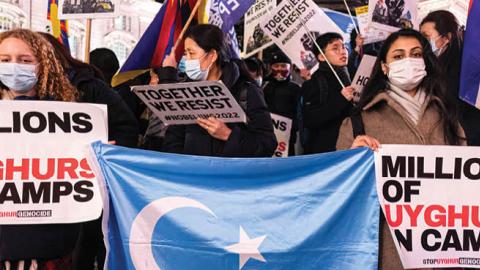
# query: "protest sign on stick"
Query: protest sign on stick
{"points": [[287, 26], [184, 103], [370, 34], [254, 38], [362, 76]]}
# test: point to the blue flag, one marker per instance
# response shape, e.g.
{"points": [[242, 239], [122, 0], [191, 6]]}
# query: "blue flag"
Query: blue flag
{"points": [[166, 211], [224, 14], [470, 75]]}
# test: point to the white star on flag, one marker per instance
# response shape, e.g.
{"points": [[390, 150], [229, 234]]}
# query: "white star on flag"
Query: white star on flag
{"points": [[247, 248]]}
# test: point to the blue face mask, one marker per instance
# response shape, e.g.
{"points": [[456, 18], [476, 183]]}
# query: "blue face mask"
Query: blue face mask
{"points": [[435, 49], [181, 65], [19, 78], [194, 71]]}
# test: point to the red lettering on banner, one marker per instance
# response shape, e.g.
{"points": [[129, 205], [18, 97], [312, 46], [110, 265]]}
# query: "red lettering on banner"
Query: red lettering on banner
{"points": [[413, 214], [399, 215], [87, 172], [435, 220], [67, 166], [463, 215], [45, 169], [11, 168]]}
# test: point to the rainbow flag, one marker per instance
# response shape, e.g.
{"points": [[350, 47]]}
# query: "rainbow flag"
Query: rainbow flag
{"points": [[470, 75], [159, 39], [59, 27]]}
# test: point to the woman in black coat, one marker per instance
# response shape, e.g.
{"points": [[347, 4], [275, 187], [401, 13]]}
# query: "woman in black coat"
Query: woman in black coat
{"points": [[206, 60]]}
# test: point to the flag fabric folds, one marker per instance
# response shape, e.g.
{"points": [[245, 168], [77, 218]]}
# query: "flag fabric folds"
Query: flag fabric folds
{"points": [[158, 39], [59, 27], [470, 73], [166, 211]]}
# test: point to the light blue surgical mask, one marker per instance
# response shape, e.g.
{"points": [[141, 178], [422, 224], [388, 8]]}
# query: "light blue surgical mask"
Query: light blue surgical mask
{"points": [[19, 78], [194, 71], [181, 65], [435, 49]]}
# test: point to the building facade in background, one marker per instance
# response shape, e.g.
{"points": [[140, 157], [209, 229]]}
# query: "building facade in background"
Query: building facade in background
{"points": [[119, 34]]}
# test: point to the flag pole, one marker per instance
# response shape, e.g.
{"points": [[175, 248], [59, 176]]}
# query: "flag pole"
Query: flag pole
{"points": [[351, 17], [88, 35], [189, 21]]}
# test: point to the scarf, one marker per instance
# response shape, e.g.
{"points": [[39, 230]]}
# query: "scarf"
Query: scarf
{"points": [[412, 105]]}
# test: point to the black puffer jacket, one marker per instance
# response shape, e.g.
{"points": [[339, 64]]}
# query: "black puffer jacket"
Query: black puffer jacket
{"points": [[324, 108], [254, 139], [122, 124]]}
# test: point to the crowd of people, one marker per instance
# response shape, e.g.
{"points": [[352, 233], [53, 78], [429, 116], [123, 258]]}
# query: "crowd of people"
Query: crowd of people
{"points": [[411, 98]]}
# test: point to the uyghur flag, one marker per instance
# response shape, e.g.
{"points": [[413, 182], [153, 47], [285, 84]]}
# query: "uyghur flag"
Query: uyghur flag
{"points": [[166, 211]]}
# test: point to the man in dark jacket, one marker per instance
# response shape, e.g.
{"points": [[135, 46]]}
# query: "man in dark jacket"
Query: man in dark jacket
{"points": [[325, 103], [281, 94]]}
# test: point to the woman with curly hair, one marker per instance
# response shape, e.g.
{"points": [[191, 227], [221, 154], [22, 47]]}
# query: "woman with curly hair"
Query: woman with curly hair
{"points": [[30, 71]]}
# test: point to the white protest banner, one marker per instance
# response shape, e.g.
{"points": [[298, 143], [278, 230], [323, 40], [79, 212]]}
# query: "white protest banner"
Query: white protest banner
{"points": [[430, 198], [285, 25], [44, 175], [391, 15], [370, 34], [183, 103], [254, 39], [363, 75], [82, 9], [282, 127]]}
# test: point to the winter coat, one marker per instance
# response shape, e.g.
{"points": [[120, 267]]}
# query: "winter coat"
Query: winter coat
{"points": [[387, 121], [282, 98], [451, 61], [122, 125], [253, 139], [324, 108]]}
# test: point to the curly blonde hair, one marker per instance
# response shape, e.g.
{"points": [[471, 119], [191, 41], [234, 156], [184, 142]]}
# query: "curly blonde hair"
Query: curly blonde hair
{"points": [[52, 81]]}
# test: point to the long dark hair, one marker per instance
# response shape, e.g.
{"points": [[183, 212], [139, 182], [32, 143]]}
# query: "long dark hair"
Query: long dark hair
{"points": [[434, 84], [210, 37], [66, 59]]}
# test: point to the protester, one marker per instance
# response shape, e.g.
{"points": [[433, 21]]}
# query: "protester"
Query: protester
{"points": [[442, 30], [325, 102], [106, 61], [281, 94], [122, 129], [405, 102], [30, 71], [122, 126], [207, 60], [256, 68]]}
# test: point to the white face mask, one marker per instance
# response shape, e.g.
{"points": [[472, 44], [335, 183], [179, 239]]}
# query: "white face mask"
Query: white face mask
{"points": [[19, 78], [407, 73], [259, 81], [194, 70]]}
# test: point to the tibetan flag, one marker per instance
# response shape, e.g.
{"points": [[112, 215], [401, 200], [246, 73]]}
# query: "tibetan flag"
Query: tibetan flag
{"points": [[167, 211], [59, 27], [159, 39], [470, 76]]}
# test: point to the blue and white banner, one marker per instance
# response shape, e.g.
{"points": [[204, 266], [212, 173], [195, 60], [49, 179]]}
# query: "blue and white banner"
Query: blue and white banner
{"points": [[166, 211]]}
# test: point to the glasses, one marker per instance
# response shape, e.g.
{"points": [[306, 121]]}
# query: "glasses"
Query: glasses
{"points": [[338, 49]]}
